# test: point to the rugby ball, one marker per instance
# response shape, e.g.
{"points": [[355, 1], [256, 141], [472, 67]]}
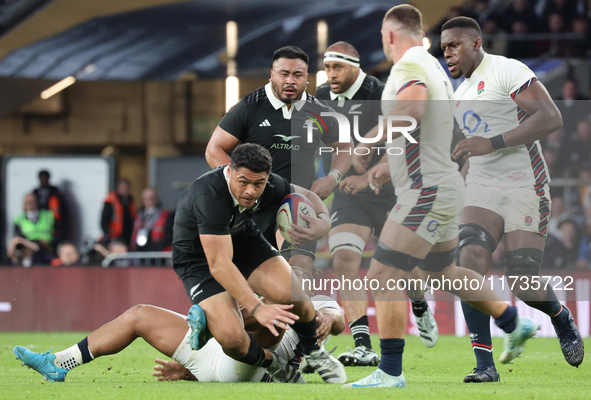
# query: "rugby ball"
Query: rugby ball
{"points": [[289, 212]]}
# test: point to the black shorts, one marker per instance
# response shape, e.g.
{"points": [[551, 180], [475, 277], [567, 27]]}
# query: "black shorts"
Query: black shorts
{"points": [[250, 251], [358, 210]]}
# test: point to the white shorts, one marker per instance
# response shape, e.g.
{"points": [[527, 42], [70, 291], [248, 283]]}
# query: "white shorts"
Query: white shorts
{"points": [[522, 209], [211, 364], [432, 213]]}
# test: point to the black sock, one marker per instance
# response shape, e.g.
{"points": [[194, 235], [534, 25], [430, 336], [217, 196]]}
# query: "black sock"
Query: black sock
{"points": [[419, 307], [360, 331], [479, 328], [255, 354], [507, 320], [306, 331], [391, 361], [549, 306], [83, 346]]}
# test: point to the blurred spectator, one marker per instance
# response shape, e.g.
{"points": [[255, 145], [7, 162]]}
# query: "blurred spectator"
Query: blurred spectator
{"points": [[584, 258], [50, 198], [557, 210], [577, 149], [552, 158], [496, 45], [566, 9], [581, 47], [482, 11], [563, 253], [573, 105], [33, 235], [115, 246], [520, 11], [520, 48], [152, 229], [553, 47], [118, 213], [67, 255]]}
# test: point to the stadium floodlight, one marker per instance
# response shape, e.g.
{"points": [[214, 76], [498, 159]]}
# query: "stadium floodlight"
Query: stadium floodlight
{"points": [[426, 43], [321, 78], [58, 87], [232, 90]]}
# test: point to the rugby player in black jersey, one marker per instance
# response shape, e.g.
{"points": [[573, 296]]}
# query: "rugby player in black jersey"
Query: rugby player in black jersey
{"points": [[223, 260]]}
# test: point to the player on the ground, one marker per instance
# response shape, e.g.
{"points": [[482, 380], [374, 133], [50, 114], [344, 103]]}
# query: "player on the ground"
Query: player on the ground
{"points": [[166, 331], [503, 111], [274, 116], [422, 228], [223, 260], [357, 212]]}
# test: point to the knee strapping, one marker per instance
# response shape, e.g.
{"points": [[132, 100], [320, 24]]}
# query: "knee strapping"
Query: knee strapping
{"points": [[523, 262], [396, 259], [346, 241], [475, 234], [439, 260]]}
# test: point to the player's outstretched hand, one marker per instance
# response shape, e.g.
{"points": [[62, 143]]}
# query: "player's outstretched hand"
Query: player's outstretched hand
{"points": [[353, 184], [377, 176], [323, 187], [171, 371], [475, 146], [317, 229], [274, 316]]}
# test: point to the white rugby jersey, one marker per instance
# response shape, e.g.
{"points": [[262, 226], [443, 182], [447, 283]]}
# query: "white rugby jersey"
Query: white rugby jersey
{"points": [[484, 107], [428, 162]]}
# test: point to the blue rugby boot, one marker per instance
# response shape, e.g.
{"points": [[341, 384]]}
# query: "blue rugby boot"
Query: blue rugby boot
{"points": [[199, 332], [44, 363]]}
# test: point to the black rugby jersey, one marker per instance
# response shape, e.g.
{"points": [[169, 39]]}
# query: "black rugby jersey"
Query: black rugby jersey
{"points": [[207, 208], [365, 104], [255, 120]]}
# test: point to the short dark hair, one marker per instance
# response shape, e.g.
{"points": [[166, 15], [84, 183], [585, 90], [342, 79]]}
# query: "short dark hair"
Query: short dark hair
{"points": [[252, 157], [291, 53], [407, 15], [463, 23], [44, 172], [347, 48]]}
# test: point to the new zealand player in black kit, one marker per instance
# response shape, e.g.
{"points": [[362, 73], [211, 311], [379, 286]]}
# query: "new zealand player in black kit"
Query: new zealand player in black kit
{"points": [[266, 117], [223, 260], [357, 212]]}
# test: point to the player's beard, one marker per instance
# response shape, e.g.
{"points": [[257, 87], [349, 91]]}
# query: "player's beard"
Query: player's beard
{"points": [[286, 99]]}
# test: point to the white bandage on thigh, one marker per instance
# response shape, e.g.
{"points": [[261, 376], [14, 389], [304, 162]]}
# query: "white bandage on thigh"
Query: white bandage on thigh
{"points": [[347, 241]]}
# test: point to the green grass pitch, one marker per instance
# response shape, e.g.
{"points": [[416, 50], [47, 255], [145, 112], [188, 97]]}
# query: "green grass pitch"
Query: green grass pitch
{"points": [[435, 373]]}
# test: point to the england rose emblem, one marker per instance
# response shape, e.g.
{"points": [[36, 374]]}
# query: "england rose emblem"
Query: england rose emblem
{"points": [[480, 87]]}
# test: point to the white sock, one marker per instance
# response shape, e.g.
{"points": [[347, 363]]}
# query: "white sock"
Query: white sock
{"points": [[69, 358]]}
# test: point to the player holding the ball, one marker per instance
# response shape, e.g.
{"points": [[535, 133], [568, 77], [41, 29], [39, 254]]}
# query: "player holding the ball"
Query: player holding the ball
{"points": [[223, 260]]}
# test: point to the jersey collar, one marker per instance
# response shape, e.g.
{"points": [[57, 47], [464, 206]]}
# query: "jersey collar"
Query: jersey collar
{"points": [[277, 104], [349, 93], [480, 67], [240, 208]]}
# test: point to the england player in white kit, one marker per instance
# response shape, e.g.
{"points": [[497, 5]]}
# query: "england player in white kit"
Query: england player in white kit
{"points": [[422, 228], [503, 110], [167, 332]]}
